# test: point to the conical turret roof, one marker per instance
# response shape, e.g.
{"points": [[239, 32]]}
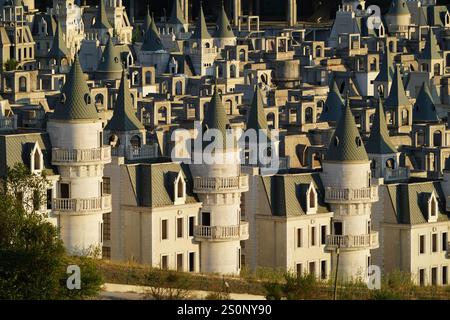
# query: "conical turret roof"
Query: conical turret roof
{"points": [[424, 109], [334, 105], [397, 96], [398, 8], [124, 118], [379, 141], [431, 50], [110, 61], [59, 49], [346, 144], [101, 20], [256, 118], [223, 27], [152, 39], [147, 20], [201, 30], [76, 102], [387, 70], [176, 16]]}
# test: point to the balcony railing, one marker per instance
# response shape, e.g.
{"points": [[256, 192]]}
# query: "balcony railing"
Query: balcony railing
{"points": [[8, 123], [82, 206], [204, 184], [396, 174], [369, 240], [73, 156], [237, 232], [137, 153], [369, 194]]}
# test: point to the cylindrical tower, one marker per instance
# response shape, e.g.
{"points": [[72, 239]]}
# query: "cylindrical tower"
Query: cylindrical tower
{"points": [[76, 134], [219, 185], [346, 177]]}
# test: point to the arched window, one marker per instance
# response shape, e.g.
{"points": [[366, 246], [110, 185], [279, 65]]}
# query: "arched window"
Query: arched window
{"points": [[420, 139], [179, 88], [405, 117], [148, 77], [390, 163], [309, 115], [437, 139], [437, 69], [373, 64], [23, 84], [180, 188], [135, 141], [242, 55], [233, 71]]}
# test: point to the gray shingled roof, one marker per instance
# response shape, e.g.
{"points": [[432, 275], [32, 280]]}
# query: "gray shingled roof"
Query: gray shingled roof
{"points": [[256, 118], [76, 102], [59, 48], [409, 202], [124, 117], [101, 20], [398, 7], [334, 105], [424, 109], [201, 30], [110, 61], [287, 193], [346, 144], [379, 141], [176, 16], [387, 69], [223, 27], [397, 96], [152, 39], [16, 148], [431, 50], [153, 184]]}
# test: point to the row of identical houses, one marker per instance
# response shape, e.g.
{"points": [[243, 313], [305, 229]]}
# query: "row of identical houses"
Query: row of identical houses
{"points": [[355, 114]]}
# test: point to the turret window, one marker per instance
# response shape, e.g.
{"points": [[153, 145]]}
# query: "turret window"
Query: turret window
{"points": [[179, 189], [37, 160], [358, 141], [311, 200], [432, 208]]}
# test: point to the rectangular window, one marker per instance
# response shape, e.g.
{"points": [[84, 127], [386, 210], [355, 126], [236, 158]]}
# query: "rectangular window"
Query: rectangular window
{"points": [[107, 226], [106, 185], [206, 219], [179, 262], [65, 190], [422, 277], [191, 261], [164, 233], [299, 269], [422, 244], [191, 226], [323, 235], [434, 244], [165, 262], [180, 227], [106, 253], [312, 268], [337, 225], [49, 199], [444, 275], [434, 276], [299, 238], [323, 269], [444, 241], [313, 236]]}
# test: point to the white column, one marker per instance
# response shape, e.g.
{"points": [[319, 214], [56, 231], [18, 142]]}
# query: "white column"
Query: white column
{"points": [[292, 12], [237, 9]]}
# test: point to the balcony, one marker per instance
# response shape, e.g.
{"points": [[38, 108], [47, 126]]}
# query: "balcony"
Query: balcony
{"points": [[137, 153], [401, 173], [8, 123], [81, 156], [216, 185], [222, 233], [336, 195], [82, 206], [368, 241]]}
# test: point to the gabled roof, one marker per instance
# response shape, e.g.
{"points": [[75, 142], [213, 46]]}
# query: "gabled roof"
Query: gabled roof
{"points": [[387, 69], [286, 194], [346, 144], [397, 96], [124, 118], [424, 109], [176, 16], [59, 48], [201, 30], [110, 60], [431, 50], [101, 20], [379, 141], [409, 202], [76, 101], [398, 8], [152, 39], [223, 27], [334, 105]]}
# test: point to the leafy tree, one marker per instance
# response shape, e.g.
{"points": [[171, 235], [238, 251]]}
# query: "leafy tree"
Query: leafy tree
{"points": [[11, 65], [33, 261]]}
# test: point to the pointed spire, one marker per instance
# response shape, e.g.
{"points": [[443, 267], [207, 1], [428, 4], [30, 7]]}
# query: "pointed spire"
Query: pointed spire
{"points": [[223, 27], [59, 48], [124, 118], [256, 116], [147, 21], [201, 30], [379, 141], [152, 39], [387, 70], [101, 20], [424, 109], [431, 50], [76, 102], [176, 16], [334, 104], [110, 61], [346, 144], [397, 96]]}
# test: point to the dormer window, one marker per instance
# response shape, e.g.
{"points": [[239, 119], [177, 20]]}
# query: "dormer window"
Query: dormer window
{"points": [[36, 159], [432, 208], [179, 189], [311, 200]]}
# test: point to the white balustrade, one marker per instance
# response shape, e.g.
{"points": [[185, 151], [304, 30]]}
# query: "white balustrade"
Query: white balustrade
{"points": [[220, 184], [346, 194], [352, 241], [222, 232], [87, 205], [102, 154]]}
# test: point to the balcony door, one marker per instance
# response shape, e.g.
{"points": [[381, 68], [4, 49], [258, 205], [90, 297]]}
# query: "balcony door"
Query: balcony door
{"points": [[337, 226], [65, 190], [206, 219]]}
